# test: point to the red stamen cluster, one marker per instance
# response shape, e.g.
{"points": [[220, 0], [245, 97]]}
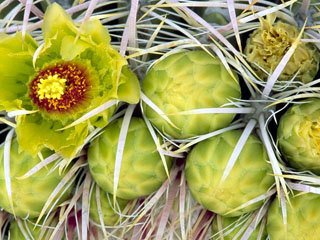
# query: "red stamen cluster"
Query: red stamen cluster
{"points": [[76, 87]]}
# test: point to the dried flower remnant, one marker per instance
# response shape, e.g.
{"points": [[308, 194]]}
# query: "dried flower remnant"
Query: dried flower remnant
{"points": [[74, 73], [267, 45]]}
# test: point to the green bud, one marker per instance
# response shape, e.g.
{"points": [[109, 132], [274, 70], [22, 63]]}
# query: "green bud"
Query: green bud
{"points": [[30, 229], [303, 217], [186, 81], [142, 171], [110, 216], [29, 195], [249, 178], [299, 135], [16, 234]]}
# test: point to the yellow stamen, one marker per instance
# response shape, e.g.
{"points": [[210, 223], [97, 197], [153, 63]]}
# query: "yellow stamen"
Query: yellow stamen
{"points": [[51, 88]]}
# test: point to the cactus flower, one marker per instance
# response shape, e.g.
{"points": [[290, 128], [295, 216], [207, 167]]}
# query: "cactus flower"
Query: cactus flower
{"points": [[29, 195], [299, 135], [303, 217], [186, 81], [142, 171], [249, 178], [267, 45], [76, 70]]}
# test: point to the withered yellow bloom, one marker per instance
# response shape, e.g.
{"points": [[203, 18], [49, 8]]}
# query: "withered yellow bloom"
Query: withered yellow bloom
{"points": [[268, 44]]}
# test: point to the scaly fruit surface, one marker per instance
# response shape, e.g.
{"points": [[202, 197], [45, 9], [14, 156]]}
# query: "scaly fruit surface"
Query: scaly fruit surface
{"points": [[267, 45], [110, 216], [233, 227], [186, 81], [142, 171], [249, 178], [299, 135], [29, 195], [303, 219]]}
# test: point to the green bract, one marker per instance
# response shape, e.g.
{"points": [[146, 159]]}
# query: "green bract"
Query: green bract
{"points": [[233, 226], [267, 45], [76, 70], [303, 217], [110, 216], [142, 171], [249, 178], [186, 81], [299, 135], [29, 195]]}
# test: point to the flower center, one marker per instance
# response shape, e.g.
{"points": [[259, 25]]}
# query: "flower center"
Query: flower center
{"points": [[60, 87], [310, 131], [52, 87]]}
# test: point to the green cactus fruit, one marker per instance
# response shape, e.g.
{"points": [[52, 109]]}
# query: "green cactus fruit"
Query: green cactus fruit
{"points": [[249, 178], [186, 81], [302, 219], [232, 227], [142, 171], [267, 45], [299, 135], [110, 217], [29, 195]]}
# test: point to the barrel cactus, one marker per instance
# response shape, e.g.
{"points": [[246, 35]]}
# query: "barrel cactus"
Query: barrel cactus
{"points": [[299, 133], [233, 226], [110, 215], [303, 218], [142, 171], [29, 195], [249, 178], [186, 81], [267, 45]]}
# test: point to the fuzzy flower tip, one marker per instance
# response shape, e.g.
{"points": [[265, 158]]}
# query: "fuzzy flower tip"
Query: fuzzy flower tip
{"points": [[76, 71], [267, 45]]}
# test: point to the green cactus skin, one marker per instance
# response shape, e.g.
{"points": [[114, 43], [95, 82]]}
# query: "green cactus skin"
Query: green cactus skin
{"points": [[249, 178], [186, 81], [299, 135], [229, 223], [29, 195], [303, 219], [142, 171], [110, 217], [267, 45]]}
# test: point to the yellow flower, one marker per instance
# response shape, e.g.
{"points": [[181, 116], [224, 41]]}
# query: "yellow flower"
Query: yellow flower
{"points": [[76, 71]]}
